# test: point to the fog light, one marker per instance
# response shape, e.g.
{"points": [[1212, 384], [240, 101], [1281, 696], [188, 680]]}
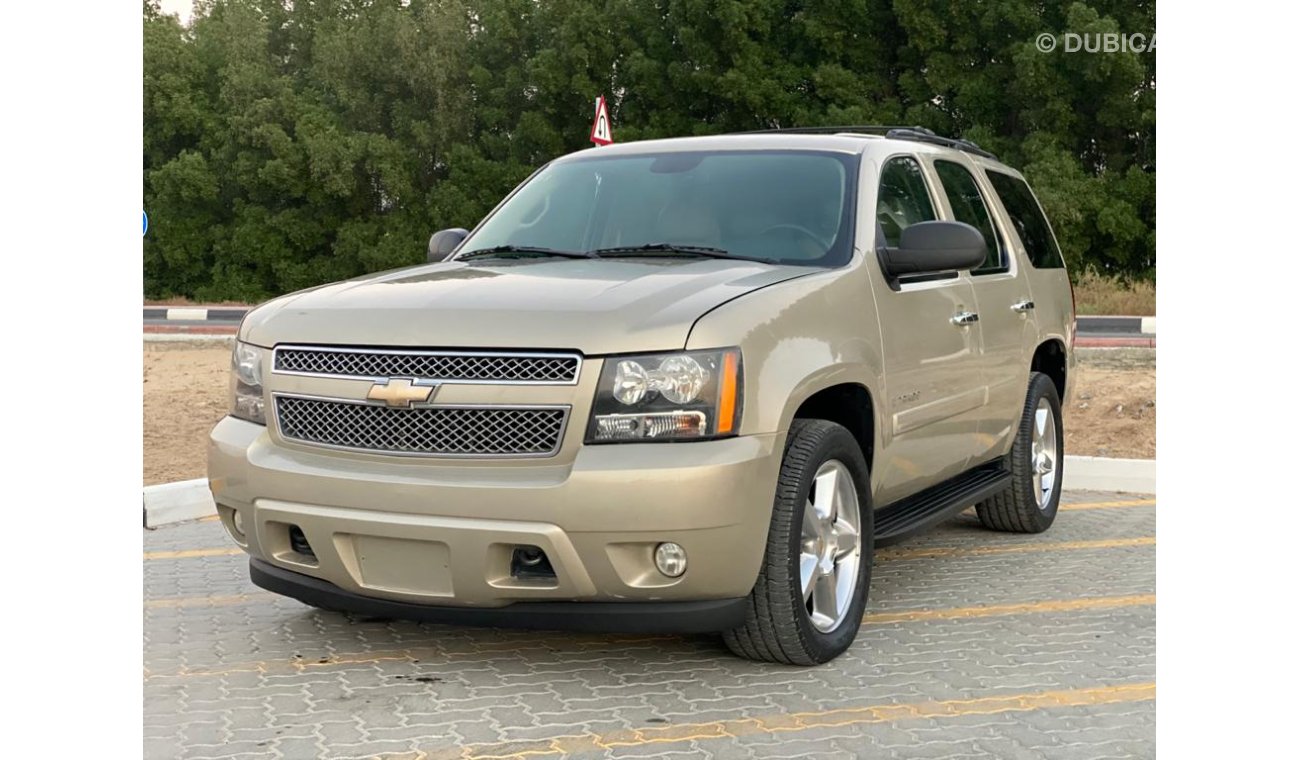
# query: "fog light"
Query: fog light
{"points": [[238, 520], [670, 558]]}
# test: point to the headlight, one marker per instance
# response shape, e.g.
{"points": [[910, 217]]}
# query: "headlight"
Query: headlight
{"points": [[246, 400], [685, 395]]}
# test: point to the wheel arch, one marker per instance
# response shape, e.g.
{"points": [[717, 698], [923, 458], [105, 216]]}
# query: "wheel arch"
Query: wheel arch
{"points": [[848, 403], [1050, 359]]}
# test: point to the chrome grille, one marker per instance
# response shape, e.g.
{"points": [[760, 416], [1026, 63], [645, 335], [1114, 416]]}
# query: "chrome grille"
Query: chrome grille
{"points": [[442, 366], [427, 431]]}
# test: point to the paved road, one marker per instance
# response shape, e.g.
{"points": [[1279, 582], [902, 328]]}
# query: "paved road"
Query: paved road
{"points": [[977, 644]]}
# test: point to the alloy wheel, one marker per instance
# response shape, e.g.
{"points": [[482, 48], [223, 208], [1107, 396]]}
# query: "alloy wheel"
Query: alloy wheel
{"points": [[830, 546]]}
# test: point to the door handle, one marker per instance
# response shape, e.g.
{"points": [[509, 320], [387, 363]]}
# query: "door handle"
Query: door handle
{"points": [[1023, 306], [963, 318]]}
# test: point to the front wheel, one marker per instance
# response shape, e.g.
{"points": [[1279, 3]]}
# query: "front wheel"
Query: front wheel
{"points": [[1029, 504], [806, 605]]}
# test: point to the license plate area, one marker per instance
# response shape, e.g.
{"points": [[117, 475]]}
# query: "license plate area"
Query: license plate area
{"points": [[400, 565]]}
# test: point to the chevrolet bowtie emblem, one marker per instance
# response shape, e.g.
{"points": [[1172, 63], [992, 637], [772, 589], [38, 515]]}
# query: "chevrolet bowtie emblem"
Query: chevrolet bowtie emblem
{"points": [[400, 392]]}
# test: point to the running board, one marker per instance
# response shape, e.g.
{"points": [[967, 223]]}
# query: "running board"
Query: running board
{"points": [[937, 503]]}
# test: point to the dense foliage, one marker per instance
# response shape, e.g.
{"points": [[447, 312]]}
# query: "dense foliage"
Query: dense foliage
{"points": [[288, 144]]}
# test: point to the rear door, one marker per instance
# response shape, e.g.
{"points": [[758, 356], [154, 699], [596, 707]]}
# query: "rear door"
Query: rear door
{"points": [[933, 383], [1040, 254], [1007, 324]]}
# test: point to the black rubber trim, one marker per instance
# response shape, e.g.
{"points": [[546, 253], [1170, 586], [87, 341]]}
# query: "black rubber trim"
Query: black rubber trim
{"points": [[935, 504], [708, 616]]}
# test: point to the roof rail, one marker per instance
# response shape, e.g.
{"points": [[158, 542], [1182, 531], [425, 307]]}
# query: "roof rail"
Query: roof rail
{"points": [[893, 132], [926, 136]]}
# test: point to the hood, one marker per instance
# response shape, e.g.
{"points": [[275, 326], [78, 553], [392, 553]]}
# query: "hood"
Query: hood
{"points": [[589, 305]]}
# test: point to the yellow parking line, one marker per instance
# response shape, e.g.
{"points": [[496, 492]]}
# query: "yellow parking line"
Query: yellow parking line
{"points": [[215, 551], [991, 610], [203, 601], [408, 655], [1022, 548], [572, 744], [885, 555], [1107, 504]]}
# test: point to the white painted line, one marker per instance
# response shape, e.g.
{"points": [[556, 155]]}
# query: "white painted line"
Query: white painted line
{"points": [[1105, 474], [187, 313], [1148, 326], [176, 502]]}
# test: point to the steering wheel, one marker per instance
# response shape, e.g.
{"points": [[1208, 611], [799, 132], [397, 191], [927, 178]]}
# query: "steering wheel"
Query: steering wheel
{"points": [[818, 245]]}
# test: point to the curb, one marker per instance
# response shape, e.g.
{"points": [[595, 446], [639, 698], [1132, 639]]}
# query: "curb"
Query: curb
{"points": [[190, 499], [1106, 474], [1113, 325], [177, 502], [197, 313]]}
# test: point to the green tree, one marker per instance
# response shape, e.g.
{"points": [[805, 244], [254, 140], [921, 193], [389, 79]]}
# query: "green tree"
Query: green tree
{"points": [[291, 144]]}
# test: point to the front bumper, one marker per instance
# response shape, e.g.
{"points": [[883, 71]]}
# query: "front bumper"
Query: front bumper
{"points": [[608, 617], [409, 535]]}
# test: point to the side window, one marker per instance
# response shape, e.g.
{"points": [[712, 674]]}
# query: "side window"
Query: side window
{"points": [[968, 206], [903, 199], [1028, 219]]}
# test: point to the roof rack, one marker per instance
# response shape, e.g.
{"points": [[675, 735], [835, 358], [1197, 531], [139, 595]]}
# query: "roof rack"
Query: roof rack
{"points": [[893, 132]]}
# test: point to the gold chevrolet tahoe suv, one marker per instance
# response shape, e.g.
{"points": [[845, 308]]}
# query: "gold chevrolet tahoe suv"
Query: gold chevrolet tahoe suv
{"points": [[677, 385]]}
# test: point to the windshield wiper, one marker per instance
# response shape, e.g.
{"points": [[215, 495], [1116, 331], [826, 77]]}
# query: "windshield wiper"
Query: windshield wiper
{"points": [[651, 249], [522, 250]]}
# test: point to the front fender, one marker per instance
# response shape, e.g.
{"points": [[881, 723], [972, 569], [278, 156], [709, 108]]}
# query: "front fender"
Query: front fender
{"points": [[796, 338]]}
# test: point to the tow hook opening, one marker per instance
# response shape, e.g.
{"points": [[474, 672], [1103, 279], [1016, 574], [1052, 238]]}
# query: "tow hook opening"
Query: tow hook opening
{"points": [[529, 562], [299, 543]]}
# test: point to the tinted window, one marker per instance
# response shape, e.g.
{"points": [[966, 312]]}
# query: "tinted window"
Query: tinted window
{"points": [[1028, 219], [785, 206], [968, 206], [903, 199]]}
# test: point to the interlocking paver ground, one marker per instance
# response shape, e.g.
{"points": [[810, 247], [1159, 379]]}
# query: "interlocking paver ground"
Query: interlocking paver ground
{"points": [[977, 644]]}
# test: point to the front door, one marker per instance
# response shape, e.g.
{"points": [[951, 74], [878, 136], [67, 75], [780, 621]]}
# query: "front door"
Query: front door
{"points": [[934, 388]]}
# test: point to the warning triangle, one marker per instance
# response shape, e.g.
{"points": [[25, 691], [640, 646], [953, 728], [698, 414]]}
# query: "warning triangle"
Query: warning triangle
{"points": [[601, 132]]}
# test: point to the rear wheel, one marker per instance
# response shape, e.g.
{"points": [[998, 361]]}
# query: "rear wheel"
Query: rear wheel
{"points": [[1029, 504], [806, 605]]}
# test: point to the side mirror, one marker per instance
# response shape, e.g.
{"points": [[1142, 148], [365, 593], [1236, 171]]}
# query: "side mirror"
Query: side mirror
{"points": [[930, 247], [444, 242]]}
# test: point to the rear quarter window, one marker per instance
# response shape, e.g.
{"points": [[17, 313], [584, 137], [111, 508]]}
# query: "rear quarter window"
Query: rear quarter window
{"points": [[1028, 219]]}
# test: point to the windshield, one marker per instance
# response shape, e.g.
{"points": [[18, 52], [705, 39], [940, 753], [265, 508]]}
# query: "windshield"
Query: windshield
{"points": [[787, 207]]}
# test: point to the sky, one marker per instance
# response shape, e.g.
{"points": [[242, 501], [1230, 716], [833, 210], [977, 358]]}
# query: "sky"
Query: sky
{"points": [[181, 8]]}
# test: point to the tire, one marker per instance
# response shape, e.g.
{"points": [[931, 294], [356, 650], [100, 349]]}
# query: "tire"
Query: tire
{"points": [[779, 626], [1020, 508]]}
